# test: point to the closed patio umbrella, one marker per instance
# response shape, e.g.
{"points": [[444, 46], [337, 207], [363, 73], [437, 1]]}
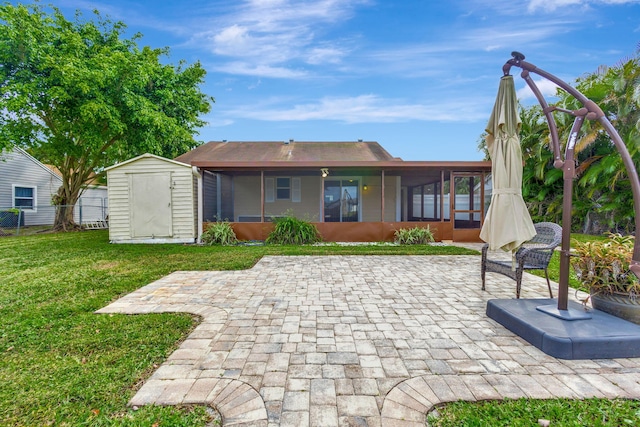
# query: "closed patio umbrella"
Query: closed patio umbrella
{"points": [[507, 224]]}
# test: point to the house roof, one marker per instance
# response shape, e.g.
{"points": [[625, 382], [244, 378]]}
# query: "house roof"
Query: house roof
{"points": [[254, 155], [37, 162], [288, 151]]}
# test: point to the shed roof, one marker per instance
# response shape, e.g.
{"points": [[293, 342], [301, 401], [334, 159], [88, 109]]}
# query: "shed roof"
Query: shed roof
{"points": [[148, 156]]}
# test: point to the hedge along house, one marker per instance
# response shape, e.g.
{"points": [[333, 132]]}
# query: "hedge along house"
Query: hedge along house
{"points": [[152, 200], [352, 191]]}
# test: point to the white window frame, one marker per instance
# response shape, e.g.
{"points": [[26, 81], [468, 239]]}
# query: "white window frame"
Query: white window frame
{"points": [[296, 189], [288, 187], [269, 190], [34, 207]]}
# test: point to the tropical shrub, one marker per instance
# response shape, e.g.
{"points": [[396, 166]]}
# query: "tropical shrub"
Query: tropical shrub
{"points": [[219, 234], [290, 230], [413, 236], [602, 266], [602, 195]]}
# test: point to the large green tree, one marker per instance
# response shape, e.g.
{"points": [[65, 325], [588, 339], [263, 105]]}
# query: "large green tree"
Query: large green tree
{"points": [[78, 95], [617, 91], [602, 198]]}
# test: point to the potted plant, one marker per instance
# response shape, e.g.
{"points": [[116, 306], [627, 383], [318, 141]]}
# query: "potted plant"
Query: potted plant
{"points": [[603, 268]]}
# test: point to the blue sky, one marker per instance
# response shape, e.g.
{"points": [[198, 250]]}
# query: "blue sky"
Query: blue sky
{"points": [[418, 76]]}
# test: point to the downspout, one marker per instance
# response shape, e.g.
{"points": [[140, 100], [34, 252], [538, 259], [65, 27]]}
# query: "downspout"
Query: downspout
{"points": [[261, 196], [442, 196], [398, 199], [219, 197], [382, 198], [321, 199], [199, 200]]}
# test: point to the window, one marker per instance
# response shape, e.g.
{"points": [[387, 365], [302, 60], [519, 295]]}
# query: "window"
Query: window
{"points": [[341, 200], [24, 197], [283, 188], [426, 202]]}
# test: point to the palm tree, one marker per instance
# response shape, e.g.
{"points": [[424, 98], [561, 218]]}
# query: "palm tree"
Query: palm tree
{"points": [[602, 197], [602, 175], [541, 182]]}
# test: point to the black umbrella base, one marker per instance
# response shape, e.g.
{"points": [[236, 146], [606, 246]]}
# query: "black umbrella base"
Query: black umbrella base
{"points": [[602, 336]]}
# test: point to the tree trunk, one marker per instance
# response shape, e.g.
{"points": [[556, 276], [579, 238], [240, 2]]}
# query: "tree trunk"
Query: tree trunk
{"points": [[65, 203], [586, 225]]}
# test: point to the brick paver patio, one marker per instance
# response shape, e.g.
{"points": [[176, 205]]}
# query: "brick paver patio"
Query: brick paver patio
{"points": [[354, 341]]}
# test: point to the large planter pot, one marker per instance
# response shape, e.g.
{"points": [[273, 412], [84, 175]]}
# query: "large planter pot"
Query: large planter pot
{"points": [[10, 219], [619, 305]]}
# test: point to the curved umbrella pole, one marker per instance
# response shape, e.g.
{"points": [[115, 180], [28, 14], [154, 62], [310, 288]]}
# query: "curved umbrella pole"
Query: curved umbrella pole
{"points": [[589, 111]]}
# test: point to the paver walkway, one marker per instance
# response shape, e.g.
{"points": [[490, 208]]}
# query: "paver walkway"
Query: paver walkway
{"points": [[354, 341]]}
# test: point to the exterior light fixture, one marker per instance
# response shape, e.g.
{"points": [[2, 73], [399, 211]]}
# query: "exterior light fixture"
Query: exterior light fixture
{"points": [[365, 187], [324, 172]]}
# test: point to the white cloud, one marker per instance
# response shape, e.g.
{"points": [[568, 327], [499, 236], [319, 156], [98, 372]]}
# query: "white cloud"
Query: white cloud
{"points": [[551, 5], [546, 87], [254, 85], [231, 40], [270, 34], [528, 33], [214, 122], [258, 70], [325, 55], [473, 49], [368, 109]]}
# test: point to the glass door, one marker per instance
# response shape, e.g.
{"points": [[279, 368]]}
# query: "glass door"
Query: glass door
{"points": [[341, 200], [467, 200]]}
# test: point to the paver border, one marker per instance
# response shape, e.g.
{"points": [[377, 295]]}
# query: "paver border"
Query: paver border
{"points": [[405, 404]]}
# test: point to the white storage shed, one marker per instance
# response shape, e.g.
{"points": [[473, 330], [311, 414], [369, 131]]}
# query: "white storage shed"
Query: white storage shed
{"points": [[152, 200]]}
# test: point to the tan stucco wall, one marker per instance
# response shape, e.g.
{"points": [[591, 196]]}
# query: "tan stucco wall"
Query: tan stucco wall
{"points": [[247, 199], [308, 208], [371, 199]]}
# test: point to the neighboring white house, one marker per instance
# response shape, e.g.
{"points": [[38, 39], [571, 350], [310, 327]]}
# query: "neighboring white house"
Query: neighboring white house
{"points": [[153, 200], [28, 185]]}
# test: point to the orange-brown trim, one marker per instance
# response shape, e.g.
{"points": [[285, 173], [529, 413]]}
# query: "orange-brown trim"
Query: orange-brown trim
{"points": [[212, 164], [359, 231]]}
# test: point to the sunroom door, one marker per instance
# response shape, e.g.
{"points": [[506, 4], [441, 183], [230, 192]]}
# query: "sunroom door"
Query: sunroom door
{"points": [[341, 200], [467, 201]]}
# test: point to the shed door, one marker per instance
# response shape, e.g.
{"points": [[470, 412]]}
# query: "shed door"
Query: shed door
{"points": [[150, 201]]}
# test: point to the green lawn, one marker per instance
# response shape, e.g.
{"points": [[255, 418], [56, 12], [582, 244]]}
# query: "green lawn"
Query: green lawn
{"points": [[62, 365], [527, 412]]}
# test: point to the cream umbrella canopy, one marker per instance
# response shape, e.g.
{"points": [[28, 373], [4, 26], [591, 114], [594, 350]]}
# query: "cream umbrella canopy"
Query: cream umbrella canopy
{"points": [[507, 224]]}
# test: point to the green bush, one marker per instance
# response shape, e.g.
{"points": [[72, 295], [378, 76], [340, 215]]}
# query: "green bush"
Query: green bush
{"points": [[413, 236], [290, 230], [219, 234]]}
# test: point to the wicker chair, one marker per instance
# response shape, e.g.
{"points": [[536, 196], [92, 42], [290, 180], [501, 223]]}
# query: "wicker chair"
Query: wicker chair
{"points": [[532, 255]]}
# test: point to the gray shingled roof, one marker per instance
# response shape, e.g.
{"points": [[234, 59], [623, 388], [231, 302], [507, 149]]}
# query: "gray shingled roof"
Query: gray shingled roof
{"points": [[290, 151]]}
